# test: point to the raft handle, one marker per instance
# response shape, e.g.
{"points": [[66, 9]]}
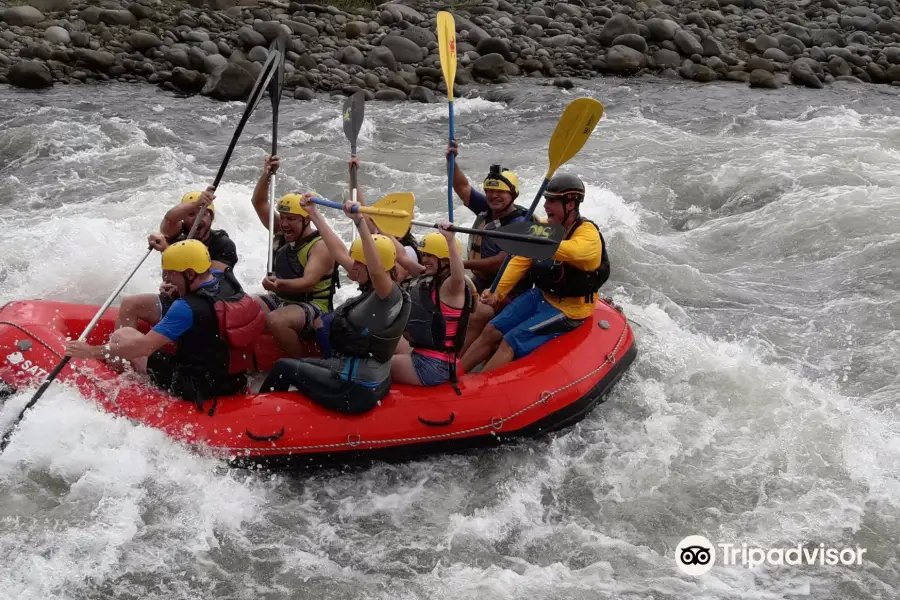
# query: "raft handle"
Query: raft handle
{"points": [[438, 423], [265, 438]]}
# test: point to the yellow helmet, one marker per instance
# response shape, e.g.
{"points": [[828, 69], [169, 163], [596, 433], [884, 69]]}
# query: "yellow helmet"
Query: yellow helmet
{"points": [[383, 244], [290, 204], [193, 197], [435, 243], [505, 181], [189, 254]]}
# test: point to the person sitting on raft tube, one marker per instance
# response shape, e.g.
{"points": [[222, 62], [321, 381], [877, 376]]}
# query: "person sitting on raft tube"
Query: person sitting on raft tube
{"points": [[409, 260], [494, 208], [364, 331], [441, 304], [213, 329], [177, 223], [301, 288], [565, 285]]}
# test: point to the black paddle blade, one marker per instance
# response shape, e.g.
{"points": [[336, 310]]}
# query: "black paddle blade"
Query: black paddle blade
{"points": [[276, 85], [542, 242], [262, 82], [354, 112]]}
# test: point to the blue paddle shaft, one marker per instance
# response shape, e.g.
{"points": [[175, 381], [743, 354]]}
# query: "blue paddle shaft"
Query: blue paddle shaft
{"points": [[452, 169], [530, 212], [331, 204]]}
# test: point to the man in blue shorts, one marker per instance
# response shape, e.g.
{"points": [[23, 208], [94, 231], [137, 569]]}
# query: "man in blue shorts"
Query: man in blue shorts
{"points": [[565, 289]]}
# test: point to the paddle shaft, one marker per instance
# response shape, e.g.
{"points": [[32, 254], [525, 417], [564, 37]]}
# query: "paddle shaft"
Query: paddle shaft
{"points": [[531, 209], [353, 187], [451, 167], [503, 235], [59, 367], [272, 185], [252, 101], [370, 210]]}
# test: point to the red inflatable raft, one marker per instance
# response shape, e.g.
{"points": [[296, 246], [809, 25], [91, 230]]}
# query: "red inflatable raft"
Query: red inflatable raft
{"points": [[554, 387]]}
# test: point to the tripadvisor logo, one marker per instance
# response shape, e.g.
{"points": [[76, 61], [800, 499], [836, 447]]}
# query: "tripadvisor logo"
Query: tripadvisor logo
{"points": [[696, 555]]}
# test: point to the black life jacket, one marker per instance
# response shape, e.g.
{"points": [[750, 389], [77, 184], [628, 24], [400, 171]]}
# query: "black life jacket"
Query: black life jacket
{"points": [[286, 265], [348, 341], [213, 243], [427, 326], [213, 356], [483, 219], [566, 281]]}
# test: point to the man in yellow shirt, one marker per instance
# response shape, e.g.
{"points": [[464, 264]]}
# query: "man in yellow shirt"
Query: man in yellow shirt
{"points": [[565, 285]]}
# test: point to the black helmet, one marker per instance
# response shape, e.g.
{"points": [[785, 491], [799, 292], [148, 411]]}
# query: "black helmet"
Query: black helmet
{"points": [[565, 187]]}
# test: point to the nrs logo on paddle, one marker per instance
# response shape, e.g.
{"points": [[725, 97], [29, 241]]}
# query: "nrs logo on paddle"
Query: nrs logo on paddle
{"points": [[695, 555]]}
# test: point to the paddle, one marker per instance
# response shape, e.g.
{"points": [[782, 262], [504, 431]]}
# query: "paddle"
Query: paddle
{"points": [[446, 29], [59, 367], [354, 112], [268, 71], [537, 241], [275, 87], [572, 131], [392, 214]]}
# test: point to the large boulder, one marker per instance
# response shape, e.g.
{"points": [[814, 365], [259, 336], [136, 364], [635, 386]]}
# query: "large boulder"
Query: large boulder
{"points": [[404, 50], [143, 41], [30, 74], [229, 82], [662, 29], [804, 73], [22, 16], [57, 35], [381, 56], [249, 38], [187, 80], [355, 29], [618, 25], [489, 66], [117, 17], [821, 37], [271, 30], [687, 43], [632, 40], [419, 35], [624, 60], [95, 59], [350, 55], [401, 12], [50, 6]]}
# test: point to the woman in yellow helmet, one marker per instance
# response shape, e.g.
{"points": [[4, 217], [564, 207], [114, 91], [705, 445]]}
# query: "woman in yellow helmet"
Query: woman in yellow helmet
{"points": [[441, 304], [364, 331], [408, 255]]}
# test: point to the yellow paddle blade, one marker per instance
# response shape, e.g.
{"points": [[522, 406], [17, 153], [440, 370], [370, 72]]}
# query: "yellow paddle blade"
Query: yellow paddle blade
{"points": [[446, 31], [393, 213], [573, 130]]}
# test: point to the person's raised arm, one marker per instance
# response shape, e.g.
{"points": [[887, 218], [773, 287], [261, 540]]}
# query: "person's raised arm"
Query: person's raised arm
{"points": [[380, 278], [172, 222], [335, 244], [460, 183], [457, 281], [260, 197]]}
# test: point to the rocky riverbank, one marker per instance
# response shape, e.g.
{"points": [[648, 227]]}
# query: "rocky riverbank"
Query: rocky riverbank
{"points": [[216, 47]]}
